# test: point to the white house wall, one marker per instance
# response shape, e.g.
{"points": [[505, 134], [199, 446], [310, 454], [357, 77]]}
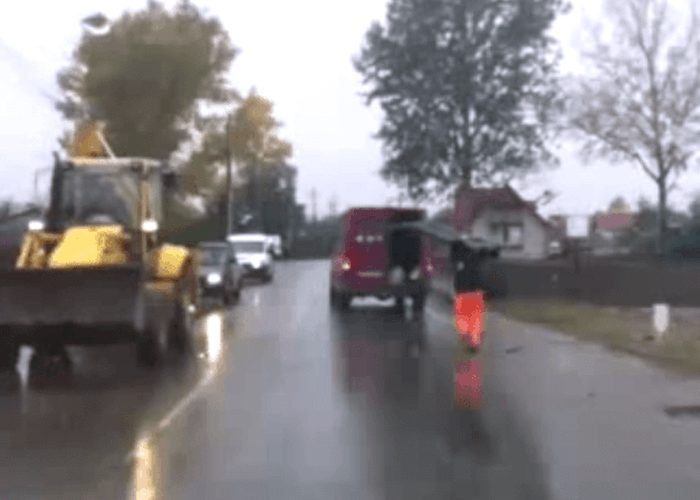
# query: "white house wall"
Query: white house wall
{"points": [[535, 236]]}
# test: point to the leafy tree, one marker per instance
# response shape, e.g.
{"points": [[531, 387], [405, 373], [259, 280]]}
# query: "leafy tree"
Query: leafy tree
{"points": [[466, 88], [694, 209], [205, 169], [252, 142], [5, 209], [619, 205], [640, 99], [257, 150], [264, 184], [253, 134], [148, 77]]}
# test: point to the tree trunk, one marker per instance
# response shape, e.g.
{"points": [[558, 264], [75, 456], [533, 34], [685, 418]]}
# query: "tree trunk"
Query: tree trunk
{"points": [[467, 177], [662, 219]]}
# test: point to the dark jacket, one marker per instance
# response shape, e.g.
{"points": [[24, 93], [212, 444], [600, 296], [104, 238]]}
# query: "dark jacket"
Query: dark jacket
{"points": [[467, 265]]}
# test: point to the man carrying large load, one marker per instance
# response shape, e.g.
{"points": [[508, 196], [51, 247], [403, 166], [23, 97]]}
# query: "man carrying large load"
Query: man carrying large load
{"points": [[94, 271], [467, 257]]}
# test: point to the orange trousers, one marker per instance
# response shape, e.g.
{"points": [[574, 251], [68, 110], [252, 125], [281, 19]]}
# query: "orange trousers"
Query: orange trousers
{"points": [[469, 317]]}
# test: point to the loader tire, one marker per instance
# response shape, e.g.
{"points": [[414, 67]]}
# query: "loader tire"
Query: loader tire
{"points": [[9, 355], [182, 328], [152, 348]]}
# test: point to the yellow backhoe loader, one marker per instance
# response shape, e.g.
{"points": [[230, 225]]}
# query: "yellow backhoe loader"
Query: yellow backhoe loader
{"points": [[94, 270]]}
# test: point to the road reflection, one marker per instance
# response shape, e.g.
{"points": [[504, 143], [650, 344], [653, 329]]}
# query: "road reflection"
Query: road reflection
{"points": [[213, 339], [380, 353], [468, 384], [146, 471], [146, 476]]}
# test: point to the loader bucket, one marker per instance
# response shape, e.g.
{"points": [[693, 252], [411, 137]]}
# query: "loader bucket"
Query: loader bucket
{"points": [[86, 297]]}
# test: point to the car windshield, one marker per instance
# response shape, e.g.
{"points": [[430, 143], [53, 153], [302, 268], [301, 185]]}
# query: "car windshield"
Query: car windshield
{"points": [[249, 246], [213, 256]]}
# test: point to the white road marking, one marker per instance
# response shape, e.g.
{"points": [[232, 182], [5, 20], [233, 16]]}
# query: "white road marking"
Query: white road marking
{"points": [[213, 330], [182, 405], [173, 414]]}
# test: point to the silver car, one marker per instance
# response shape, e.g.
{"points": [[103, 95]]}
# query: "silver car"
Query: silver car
{"points": [[220, 274]]}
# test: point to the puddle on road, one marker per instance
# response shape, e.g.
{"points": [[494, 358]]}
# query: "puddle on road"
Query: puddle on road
{"points": [[688, 411]]}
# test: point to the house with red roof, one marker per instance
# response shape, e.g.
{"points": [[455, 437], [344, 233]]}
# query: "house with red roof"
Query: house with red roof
{"points": [[502, 216], [609, 229], [611, 224]]}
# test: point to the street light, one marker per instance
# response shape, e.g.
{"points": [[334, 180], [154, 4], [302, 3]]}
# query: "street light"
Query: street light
{"points": [[545, 198], [96, 24]]}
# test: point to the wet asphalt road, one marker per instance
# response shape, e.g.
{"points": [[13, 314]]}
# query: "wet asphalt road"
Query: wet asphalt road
{"points": [[288, 400]]}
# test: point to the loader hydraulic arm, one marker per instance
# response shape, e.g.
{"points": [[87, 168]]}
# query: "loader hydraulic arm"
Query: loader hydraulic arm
{"points": [[54, 217]]}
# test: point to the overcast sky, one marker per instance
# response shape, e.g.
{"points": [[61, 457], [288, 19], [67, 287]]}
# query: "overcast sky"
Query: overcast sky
{"points": [[299, 55]]}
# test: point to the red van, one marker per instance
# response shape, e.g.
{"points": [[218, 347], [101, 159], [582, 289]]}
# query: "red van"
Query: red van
{"points": [[376, 257]]}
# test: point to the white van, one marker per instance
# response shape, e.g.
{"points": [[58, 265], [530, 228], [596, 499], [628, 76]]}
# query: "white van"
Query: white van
{"points": [[254, 254]]}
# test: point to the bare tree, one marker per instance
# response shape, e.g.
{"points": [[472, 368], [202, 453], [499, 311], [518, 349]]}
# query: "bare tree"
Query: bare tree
{"points": [[640, 98]]}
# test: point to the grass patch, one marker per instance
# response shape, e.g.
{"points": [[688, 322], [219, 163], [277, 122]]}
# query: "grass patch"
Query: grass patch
{"points": [[621, 329]]}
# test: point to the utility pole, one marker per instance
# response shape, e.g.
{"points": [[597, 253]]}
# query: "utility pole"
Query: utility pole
{"points": [[333, 206], [229, 180], [258, 201], [314, 199]]}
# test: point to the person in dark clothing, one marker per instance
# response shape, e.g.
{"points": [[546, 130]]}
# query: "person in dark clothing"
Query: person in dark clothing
{"points": [[469, 294], [467, 265]]}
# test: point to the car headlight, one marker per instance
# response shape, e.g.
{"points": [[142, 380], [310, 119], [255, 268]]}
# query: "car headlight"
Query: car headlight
{"points": [[149, 226], [213, 279], [36, 226], [415, 274]]}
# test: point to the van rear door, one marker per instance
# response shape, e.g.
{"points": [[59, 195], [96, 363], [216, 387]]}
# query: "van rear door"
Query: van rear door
{"points": [[366, 246]]}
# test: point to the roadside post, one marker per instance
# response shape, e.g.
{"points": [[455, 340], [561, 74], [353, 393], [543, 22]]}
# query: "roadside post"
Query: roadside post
{"points": [[661, 320], [577, 230]]}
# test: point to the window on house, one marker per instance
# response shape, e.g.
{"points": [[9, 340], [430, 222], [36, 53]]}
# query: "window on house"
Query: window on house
{"points": [[508, 235], [514, 235]]}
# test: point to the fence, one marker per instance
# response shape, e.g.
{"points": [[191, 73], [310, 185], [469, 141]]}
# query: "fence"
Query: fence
{"points": [[605, 282]]}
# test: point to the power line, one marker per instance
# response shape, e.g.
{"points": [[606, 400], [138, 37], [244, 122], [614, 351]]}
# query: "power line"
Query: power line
{"points": [[27, 70]]}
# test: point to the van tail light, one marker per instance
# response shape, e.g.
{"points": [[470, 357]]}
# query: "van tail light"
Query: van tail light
{"points": [[344, 264]]}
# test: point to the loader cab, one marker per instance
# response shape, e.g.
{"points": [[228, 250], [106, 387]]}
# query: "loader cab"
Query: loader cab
{"points": [[118, 192]]}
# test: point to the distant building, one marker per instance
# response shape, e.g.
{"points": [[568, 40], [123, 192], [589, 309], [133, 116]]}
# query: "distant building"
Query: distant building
{"points": [[612, 224], [502, 216], [609, 231], [558, 224]]}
